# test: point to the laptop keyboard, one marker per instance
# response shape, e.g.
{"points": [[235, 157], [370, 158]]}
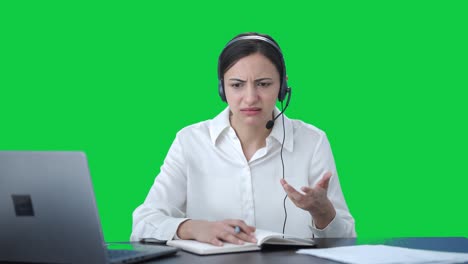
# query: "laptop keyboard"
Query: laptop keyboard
{"points": [[113, 254]]}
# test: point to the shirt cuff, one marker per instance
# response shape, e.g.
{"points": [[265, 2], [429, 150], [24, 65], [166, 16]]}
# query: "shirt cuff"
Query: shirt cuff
{"points": [[167, 229], [176, 237], [333, 229]]}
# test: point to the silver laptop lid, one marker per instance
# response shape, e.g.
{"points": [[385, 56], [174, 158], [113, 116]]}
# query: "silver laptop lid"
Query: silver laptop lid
{"points": [[47, 208]]}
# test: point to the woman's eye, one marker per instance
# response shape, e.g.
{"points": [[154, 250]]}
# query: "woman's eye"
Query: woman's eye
{"points": [[236, 85], [263, 84]]}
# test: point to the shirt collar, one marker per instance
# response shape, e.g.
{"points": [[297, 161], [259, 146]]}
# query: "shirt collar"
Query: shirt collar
{"points": [[221, 123]]}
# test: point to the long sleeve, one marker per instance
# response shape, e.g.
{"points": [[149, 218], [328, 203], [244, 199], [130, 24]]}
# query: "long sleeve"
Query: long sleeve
{"points": [[343, 223], [165, 206]]}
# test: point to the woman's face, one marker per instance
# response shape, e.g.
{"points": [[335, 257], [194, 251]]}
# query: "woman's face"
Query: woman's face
{"points": [[251, 86]]}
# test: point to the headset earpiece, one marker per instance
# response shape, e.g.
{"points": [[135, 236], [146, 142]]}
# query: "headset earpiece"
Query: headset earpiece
{"points": [[221, 90], [283, 91]]}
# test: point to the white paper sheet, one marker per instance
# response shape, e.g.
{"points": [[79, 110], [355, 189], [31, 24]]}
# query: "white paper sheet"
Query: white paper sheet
{"points": [[382, 254]]}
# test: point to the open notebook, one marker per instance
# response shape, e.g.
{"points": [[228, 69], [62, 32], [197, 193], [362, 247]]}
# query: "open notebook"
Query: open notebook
{"points": [[263, 237]]}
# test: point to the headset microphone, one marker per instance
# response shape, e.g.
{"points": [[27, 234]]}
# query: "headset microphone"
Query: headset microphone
{"points": [[271, 123]]}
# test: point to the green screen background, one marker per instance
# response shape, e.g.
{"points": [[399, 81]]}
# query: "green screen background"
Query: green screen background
{"points": [[386, 80]]}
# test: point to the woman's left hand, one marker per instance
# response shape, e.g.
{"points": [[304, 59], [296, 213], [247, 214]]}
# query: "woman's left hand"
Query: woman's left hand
{"points": [[314, 200]]}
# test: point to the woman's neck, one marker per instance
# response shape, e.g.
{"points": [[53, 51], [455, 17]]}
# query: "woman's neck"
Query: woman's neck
{"points": [[252, 138]]}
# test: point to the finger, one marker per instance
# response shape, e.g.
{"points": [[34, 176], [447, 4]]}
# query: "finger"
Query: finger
{"points": [[307, 190], [242, 235], [216, 242], [230, 238], [243, 226], [323, 183], [283, 182], [324, 178], [292, 193]]}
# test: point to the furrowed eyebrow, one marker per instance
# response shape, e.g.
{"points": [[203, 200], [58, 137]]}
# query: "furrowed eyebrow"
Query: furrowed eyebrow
{"points": [[264, 79], [257, 80], [235, 79]]}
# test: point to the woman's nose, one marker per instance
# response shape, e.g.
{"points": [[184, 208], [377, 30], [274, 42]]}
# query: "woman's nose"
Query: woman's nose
{"points": [[251, 93]]}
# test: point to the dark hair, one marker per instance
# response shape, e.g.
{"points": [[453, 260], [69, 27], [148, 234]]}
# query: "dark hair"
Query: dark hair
{"points": [[240, 49]]}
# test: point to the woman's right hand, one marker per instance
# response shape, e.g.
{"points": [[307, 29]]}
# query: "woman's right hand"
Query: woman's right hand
{"points": [[217, 232]]}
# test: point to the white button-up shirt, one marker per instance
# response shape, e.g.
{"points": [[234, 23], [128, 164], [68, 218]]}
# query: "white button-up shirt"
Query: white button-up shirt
{"points": [[206, 176]]}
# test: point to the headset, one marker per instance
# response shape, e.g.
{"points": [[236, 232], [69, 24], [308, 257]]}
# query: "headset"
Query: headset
{"points": [[284, 90]]}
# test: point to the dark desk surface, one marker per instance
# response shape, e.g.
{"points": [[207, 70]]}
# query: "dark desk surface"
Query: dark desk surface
{"points": [[288, 255]]}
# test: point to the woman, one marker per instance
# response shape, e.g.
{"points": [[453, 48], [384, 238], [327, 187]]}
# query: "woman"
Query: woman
{"points": [[224, 177]]}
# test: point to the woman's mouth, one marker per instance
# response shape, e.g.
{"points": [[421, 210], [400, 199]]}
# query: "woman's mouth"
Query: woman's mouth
{"points": [[251, 111]]}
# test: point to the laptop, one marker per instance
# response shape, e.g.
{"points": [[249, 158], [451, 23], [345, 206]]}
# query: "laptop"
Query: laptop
{"points": [[48, 213]]}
